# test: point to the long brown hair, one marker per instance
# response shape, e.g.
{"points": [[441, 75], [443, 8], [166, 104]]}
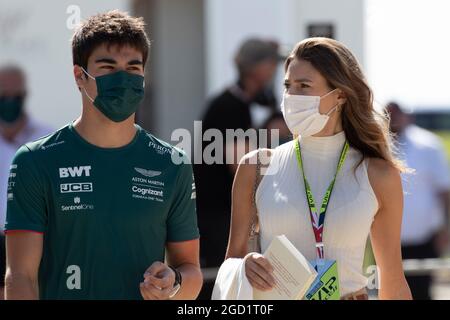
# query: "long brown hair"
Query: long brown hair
{"points": [[366, 129]]}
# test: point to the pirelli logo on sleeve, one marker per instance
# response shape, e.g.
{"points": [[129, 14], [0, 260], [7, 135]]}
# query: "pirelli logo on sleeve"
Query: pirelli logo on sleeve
{"points": [[193, 194], [11, 182]]}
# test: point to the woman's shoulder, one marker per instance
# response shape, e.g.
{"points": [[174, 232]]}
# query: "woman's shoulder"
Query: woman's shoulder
{"points": [[249, 161], [384, 177], [263, 156], [245, 176], [382, 169]]}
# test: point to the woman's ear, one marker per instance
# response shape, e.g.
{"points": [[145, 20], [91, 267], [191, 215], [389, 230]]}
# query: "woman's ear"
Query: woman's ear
{"points": [[342, 97]]}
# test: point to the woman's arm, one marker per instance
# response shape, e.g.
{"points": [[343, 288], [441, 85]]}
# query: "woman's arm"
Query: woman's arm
{"points": [[386, 228], [258, 270], [242, 206]]}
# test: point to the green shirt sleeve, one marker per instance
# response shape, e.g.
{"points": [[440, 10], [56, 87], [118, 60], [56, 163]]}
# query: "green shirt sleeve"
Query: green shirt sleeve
{"points": [[26, 209], [182, 218]]}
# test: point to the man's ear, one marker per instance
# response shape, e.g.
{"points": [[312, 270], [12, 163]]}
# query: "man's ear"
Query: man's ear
{"points": [[78, 74]]}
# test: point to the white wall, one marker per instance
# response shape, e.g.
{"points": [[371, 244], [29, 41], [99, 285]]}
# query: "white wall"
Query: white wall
{"points": [[347, 16], [408, 51], [229, 22], [34, 34], [176, 64], [39, 40]]}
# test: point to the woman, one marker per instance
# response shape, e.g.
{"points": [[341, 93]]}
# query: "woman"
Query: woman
{"points": [[328, 107]]}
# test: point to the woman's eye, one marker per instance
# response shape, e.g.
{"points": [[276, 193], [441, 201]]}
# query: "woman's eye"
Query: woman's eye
{"points": [[107, 67], [303, 85]]}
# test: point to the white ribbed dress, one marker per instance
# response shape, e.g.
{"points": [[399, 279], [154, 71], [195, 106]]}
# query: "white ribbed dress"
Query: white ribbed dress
{"points": [[283, 209]]}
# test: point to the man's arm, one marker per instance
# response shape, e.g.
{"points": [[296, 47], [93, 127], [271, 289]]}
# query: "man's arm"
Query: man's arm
{"points": [[23, 257], [441, 240], [444, 197], [160, 278], [182, 245], [184, 256], [440, 175], [26, 221], [2, 265]]}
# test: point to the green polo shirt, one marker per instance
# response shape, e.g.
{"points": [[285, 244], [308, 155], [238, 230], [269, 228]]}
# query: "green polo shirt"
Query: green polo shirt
{"points": [[106, 213]]}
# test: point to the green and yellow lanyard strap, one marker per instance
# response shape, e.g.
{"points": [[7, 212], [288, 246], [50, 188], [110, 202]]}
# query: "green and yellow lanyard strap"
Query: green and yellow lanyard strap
{"points": [[318, 219]]}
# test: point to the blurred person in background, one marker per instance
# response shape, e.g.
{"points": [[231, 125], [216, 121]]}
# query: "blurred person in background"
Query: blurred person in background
{"points": [[16, 128], [276, 122], [426, 199], [239, 106]]}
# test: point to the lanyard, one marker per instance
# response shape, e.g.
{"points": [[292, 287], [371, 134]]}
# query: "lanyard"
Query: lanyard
{"points": [[318, 219]]}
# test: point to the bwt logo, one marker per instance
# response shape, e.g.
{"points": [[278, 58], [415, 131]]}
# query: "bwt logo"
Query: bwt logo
{"points": [[76, 187], [75, 172]]}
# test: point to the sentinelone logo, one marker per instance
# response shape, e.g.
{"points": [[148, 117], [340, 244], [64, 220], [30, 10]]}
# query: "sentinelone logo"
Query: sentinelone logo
{"points": [[77, 206]]}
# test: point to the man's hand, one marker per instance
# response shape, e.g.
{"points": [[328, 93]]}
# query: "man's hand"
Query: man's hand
{"points": [[159, 280]]}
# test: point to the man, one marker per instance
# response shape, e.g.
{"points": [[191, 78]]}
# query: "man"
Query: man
{"points": [[238, 107], [426, 200], [16, 128], [94, 208]]}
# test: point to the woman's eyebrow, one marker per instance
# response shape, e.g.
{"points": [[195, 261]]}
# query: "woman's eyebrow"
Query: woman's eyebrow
{"points": [[298, 80], [302, 80]]}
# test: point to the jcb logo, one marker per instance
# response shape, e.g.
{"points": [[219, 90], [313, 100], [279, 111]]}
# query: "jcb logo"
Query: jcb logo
{"points": [[76, 187], [75, 172]]}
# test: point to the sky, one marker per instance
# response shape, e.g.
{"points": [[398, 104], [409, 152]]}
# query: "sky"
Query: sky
{"points": [[408, 51]]}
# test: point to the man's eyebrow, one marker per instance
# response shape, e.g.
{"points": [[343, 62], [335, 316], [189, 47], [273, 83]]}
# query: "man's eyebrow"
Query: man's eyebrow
{"points": [[106, 60], [135, 62]]}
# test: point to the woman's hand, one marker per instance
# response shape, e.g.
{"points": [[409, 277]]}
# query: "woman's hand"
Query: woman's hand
{"points": [[259, 272]]}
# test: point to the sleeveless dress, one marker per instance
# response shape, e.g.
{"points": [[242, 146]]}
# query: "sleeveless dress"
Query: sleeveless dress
{"points": [[283, 209]]}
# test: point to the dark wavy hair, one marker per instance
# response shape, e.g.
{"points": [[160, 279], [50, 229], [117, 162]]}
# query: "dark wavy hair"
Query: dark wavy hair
{"points": [[366, 129]]}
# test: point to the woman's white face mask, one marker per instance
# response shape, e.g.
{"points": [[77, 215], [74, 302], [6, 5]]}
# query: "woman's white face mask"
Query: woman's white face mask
{"points": [[302, 115]]}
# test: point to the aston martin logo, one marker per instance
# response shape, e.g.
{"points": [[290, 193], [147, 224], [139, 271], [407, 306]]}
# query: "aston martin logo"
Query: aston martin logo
{"points": [[148, 173]]}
